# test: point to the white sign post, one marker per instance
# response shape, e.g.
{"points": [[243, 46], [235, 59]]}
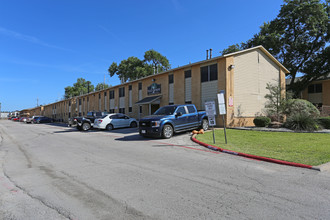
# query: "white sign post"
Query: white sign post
{"points": [[211, 112], [222, 109]]}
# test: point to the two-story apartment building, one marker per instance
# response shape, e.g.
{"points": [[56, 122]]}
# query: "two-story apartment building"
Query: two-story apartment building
{"points": [[242, 75]]}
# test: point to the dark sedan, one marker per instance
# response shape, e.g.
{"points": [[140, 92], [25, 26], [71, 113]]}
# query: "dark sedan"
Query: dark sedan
{"points": [[38, 120]]}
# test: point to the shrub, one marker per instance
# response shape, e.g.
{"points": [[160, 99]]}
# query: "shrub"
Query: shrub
{"points": [[303, 107], [324, 121], [301, 122], [261, 121]]}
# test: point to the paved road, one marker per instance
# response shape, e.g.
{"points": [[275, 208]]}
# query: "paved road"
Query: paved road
{"points": [[54, 172]]}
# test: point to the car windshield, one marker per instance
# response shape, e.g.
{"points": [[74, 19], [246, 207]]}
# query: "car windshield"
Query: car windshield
{"points": [[166, 110]]}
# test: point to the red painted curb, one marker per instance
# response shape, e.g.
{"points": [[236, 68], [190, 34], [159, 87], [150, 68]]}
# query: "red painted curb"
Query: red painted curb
{"points": [[252, 156]]}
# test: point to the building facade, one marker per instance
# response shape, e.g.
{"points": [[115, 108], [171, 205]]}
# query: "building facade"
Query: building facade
{"points": [[242, 75], [318, 93]]}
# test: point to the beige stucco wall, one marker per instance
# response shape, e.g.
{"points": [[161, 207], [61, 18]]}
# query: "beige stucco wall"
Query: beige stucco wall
{"points": [[253, 70]]}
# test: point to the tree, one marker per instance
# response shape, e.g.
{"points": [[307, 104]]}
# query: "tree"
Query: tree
{"points": [[232, 48], [276, 104], [101, 86], [78, 88], [298, 38], [156, 60], [133, 68]]}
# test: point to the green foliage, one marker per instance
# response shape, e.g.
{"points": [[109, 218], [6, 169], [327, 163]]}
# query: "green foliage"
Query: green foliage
{"points": [[304, 107], [78, 88], [301, 122], [133, 68], [101, 86], [156, 60], [298, 38], [324, 122], [276, 105], [232, 48], [261, 121]]}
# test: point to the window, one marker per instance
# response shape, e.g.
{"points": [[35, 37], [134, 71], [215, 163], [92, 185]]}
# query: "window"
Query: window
{"points": [[187, 74], [130, 87], [170, 79], [79, 102], [209, 73], [181, 110], [114, 117], [122, 110], [112, 111], [140, 85], [129, 109], [191, 109], [112, 94], [187, 102], [99, 95], [171, 103], [315, 88], [140, 109], [105, 94], [122, 92]]}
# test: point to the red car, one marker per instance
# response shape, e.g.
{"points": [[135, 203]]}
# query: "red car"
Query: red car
{"points": [[15, 119]]}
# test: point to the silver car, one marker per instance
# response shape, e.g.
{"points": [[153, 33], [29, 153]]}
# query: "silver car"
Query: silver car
{"points": [[116, 120]]}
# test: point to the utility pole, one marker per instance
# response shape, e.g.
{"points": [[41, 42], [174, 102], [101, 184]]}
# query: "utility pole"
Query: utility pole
{"points": [[0, 111], [37, 102]]}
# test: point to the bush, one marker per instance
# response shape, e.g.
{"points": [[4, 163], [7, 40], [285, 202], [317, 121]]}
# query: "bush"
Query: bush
{"points": [[325, 122], [301, 122], [261, 121], [303, 107]]}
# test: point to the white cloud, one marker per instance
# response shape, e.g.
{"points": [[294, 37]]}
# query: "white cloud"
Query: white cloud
{"points": [[28, 38]]}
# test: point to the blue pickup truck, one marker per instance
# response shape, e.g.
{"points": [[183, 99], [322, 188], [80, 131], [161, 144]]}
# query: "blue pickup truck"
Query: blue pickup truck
{"points": [[171, 119]]}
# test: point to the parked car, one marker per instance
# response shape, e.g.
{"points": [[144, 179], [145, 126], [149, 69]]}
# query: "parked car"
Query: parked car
{"points": [[22, 119], [171, 119], [85, 123], [116, 120], [15, 118], [28, 120], [42, 119]]}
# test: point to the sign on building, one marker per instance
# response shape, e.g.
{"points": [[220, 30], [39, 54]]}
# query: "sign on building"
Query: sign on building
{"points": [[154, 89]]}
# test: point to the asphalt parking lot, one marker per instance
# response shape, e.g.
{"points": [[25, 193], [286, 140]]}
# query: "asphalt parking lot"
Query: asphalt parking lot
{"points": [[57, 172]]}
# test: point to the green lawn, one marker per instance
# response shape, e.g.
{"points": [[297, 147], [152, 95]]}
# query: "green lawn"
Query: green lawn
{"points": [[306, 148]]}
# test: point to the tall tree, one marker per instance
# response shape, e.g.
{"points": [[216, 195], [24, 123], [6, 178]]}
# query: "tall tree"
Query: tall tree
{"points": [[101, 86], [156, 60], [79, 88], [133, 68], [232, 48], [298, 38]]}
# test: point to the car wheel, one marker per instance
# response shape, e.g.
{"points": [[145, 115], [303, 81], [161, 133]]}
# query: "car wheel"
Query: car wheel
{"points": [[133, 124], [86, 126], [167, 131], [205, 124], [109, 127]]}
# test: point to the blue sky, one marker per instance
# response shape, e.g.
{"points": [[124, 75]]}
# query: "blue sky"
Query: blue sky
{"points": [[46, 45]]}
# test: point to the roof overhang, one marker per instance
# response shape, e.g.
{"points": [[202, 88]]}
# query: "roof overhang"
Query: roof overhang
{"points": [[148, 100]]}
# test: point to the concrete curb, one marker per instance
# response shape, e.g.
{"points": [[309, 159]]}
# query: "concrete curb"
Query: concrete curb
{"points": [[282, 162]]}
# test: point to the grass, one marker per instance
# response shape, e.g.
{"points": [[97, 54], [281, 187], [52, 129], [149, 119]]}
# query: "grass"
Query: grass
{"points": [[306, 148]]}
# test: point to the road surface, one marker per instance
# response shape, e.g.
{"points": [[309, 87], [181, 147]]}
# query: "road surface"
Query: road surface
{"points": [[56, 172]]}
